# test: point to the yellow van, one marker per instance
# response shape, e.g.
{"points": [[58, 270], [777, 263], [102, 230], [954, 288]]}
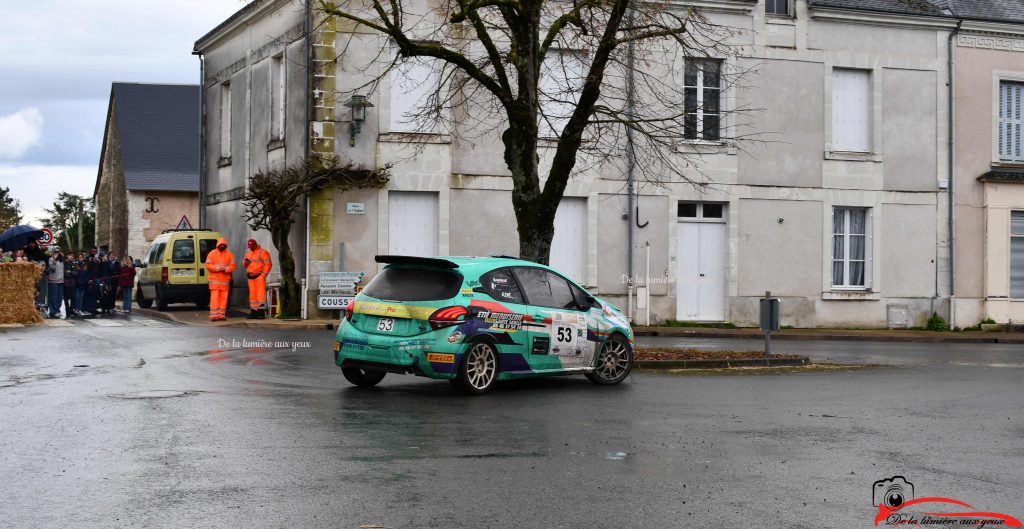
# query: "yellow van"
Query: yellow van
{"points": [[173, 270]]}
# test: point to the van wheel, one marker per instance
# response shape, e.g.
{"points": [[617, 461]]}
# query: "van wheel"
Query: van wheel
{"points": [[161, 303], [203, 303], [141, 300], [363, 377]]}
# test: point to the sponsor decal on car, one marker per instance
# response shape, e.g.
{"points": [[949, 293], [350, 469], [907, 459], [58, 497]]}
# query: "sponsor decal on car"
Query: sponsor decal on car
{"points": [[441, 358], [502, 321]]}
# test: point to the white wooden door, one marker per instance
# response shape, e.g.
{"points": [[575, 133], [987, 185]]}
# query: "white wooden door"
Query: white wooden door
{"points": [[569, 245], [700, 273], [412, 223]]}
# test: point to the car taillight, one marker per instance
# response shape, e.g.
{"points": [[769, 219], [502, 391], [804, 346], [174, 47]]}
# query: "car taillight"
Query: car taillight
{"points": [[163, 274], [349, 309], [448, 316]]}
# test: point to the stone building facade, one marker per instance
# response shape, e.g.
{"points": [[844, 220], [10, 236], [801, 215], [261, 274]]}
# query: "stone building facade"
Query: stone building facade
{"points": [[843, 213], [148, 178]]}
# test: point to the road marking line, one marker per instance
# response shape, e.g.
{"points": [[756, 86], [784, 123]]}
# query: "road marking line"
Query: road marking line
{"points": [[106, 323]]}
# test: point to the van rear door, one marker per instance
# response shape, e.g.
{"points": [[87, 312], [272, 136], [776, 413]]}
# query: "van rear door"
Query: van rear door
{"points": [[182, 266]]}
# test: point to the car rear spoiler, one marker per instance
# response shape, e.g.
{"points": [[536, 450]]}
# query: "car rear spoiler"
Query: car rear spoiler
{"points": [[411, 260]]}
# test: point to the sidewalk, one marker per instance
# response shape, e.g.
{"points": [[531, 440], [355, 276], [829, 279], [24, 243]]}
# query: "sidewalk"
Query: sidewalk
{"points": [[236, 318], [877, 335]]}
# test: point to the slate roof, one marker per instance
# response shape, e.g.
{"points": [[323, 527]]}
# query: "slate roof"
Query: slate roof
{"points": [[997, 10], [909, 7], [1001, 174], [158, 131]]}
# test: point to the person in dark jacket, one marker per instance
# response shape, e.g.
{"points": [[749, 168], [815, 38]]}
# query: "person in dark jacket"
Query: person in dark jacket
{"points": [[125, 280], [93, 268], [81, 284], [69, 285]]}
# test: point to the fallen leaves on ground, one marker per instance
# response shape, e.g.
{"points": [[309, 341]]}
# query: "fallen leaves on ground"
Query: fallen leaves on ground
{"points": [[671, 353]]}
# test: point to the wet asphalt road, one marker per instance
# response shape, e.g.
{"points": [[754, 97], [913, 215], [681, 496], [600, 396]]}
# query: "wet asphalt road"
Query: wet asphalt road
{"points": [[163, 429]]}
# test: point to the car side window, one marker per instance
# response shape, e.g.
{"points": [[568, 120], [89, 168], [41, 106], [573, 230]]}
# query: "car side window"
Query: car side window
{"points": [[545, 289], [500, 285], [205, 247], [159, 257], [581, 298]]}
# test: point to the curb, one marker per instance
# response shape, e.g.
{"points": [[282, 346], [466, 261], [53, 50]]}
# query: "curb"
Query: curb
{"points": [[302, 325], [783, 335], [720, 364]]}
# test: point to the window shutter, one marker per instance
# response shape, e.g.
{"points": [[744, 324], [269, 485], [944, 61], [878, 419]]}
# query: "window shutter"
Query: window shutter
{"points": [[1011, 99], [413, 82], [851, 112]]}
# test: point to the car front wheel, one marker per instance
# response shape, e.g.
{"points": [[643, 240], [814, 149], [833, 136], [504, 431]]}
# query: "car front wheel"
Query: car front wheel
{"points": [[615, 362], [141, 300], [479, 369], [363, 377]]}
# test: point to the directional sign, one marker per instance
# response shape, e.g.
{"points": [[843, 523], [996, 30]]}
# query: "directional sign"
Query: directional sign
{"points": [[340, 282], [47, 237]]}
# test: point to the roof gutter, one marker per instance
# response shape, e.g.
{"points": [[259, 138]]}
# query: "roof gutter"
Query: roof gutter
{"points": [[950, 187], [202, 138]]}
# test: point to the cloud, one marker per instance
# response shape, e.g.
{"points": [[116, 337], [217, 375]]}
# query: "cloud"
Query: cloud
{"points": [[19, 132], [36, 186]]}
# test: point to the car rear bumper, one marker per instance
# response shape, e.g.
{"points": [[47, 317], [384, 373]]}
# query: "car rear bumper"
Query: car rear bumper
{"points": [[429, 355]]}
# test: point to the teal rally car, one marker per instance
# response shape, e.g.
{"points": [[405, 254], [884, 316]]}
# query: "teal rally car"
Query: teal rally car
{"points": [[477, 320]]}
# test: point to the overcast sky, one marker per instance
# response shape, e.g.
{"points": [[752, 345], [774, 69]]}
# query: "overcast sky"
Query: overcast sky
{"points": [[57, 61]]}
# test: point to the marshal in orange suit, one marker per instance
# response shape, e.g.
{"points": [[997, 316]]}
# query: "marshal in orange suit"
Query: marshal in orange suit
{"points": [[257, 267], [219, 265]]}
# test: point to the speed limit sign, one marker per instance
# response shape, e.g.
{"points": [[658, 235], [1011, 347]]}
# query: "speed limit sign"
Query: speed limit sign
{"points": [[47, 237]]}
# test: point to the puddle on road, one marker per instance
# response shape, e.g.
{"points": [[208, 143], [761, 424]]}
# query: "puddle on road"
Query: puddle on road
{"points": [[153, 394]]}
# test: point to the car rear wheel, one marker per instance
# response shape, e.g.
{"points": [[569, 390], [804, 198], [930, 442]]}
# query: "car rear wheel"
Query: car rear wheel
{"points": [[362, 377], [161, 302], [479, 369], [141, 300], [615, 362]]}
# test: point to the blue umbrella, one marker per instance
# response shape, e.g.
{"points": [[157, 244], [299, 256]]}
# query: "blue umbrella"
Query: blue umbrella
{"points": [[18, 236]]}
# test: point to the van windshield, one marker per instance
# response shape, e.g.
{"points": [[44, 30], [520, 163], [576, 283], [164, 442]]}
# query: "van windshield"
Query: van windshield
{"points": [[414, 284]]}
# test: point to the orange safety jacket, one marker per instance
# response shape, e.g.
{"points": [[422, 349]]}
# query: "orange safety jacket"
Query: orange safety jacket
{"points": [[219, 265], [257, 261]]}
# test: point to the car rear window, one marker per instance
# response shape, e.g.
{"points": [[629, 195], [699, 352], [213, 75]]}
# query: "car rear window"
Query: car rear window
{"points": [[414, 284], [205, 247], [184, 252]]}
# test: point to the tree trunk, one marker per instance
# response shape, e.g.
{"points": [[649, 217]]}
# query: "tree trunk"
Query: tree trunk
{"points": [[290, 296], [535, 215]]}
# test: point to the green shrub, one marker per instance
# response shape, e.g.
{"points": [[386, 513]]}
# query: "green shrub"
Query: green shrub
{"points": [[988, 321], [937, 323]]}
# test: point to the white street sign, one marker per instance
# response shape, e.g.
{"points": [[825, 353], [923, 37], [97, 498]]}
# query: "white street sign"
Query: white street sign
{"points": [[332, 302]]}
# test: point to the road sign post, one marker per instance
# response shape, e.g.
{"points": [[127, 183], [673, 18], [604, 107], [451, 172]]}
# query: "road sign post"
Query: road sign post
{"points": [[769, 319]]}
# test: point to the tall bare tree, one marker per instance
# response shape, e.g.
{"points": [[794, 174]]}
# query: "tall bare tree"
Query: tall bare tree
{"points": [[273, 198], [598, 74]]}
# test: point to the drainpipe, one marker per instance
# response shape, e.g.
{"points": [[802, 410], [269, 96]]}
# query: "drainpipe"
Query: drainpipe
{"points": [[630, 168], [307, 23], [952, 171], [202, 139]]}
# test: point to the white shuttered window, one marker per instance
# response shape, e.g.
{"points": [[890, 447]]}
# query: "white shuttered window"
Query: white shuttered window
{"points": [[1017, 254], [413, 82], [1010, 103], [851, 110]]}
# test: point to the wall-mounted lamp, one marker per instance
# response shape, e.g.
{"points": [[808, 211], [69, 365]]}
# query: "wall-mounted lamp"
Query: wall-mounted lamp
{"points": [[358, 104]]}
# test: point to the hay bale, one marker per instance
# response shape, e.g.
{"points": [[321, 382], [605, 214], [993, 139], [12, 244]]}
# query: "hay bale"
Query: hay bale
{"points": [[18, 283]]}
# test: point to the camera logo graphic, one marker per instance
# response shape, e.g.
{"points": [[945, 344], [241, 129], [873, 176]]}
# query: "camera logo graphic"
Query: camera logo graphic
{"points": [[892, 492]]}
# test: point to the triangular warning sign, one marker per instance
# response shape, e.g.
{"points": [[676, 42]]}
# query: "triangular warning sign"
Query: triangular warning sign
{"points": [[184, 224]]}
